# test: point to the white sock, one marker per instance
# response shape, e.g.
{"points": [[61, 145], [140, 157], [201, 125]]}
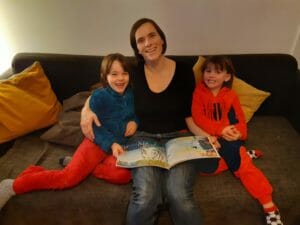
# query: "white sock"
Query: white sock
{"points": [[6, 191]]}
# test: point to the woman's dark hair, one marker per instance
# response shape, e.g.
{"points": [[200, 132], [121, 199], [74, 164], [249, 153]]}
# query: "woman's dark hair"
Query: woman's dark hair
{"points": [[222, 63], [133, 30]]}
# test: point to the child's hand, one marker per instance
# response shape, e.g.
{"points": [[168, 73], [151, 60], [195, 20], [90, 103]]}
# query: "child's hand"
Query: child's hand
{"points": [[130, 128], [237, 133], [214, 141], [116, 149], [230, 133]]}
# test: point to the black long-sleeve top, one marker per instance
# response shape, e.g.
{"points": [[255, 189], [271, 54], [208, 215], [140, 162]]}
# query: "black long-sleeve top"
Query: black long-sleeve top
{"points": [[165, 111]]}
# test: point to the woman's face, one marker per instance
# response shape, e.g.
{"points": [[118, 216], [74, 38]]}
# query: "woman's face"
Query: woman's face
{"points": [[117, 78], [149, 43]]}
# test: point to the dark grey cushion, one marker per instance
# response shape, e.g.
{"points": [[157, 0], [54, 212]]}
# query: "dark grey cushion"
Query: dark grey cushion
{"points": [[67, 131]]}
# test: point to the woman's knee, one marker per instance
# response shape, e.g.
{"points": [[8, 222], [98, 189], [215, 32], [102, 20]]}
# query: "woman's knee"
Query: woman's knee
{"points": [[180, 182], [147, 189], [145, 196]]}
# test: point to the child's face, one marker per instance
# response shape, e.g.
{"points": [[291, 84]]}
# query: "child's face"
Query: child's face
{"points": [[117, 78], [214, 78]]}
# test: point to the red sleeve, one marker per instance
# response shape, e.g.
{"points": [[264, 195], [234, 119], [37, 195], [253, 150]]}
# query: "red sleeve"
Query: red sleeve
{"points": [[198, 113], [240, 116]]}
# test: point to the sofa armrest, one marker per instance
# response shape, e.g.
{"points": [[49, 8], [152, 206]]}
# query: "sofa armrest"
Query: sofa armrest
{"points": [[293, 114]]}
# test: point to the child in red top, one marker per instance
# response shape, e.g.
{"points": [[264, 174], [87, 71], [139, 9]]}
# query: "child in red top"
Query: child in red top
{"points": [[216, 110]]}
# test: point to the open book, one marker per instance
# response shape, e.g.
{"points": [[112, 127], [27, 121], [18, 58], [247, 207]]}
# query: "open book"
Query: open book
{"points": [[175, 151]]}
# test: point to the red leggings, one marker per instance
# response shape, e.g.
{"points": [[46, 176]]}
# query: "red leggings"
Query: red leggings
{"points": [[88, 158], [251, 177]]}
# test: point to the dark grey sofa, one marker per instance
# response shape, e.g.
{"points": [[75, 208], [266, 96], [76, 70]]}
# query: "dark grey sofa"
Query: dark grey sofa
{"points": [[222, 199]]}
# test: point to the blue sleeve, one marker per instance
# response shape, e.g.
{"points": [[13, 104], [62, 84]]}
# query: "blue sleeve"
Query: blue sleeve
{"points": [[97, 102], [103, 137]]}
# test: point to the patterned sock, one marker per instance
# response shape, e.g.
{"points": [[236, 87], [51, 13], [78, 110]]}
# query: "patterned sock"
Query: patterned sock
{"points": [[64, 161], [254, 154], [273, 218], [6, 191]]}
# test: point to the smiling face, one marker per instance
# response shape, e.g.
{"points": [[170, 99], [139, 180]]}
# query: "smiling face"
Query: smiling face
{"points": [[117, 78], [149, 42], [214, 77]]}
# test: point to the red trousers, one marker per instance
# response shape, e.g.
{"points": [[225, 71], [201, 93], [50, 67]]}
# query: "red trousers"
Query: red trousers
{"points": [[251, 177], [88, 159]]}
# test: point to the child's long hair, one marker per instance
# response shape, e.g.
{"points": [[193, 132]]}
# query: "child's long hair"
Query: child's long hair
{"points": [[105, 68], [222, 63]]}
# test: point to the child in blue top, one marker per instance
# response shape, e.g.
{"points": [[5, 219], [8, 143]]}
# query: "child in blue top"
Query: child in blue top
{"points": [[113, 103], [115, 106]]}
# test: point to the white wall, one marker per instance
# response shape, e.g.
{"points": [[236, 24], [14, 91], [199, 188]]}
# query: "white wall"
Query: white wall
{"points": [[192, 26]]}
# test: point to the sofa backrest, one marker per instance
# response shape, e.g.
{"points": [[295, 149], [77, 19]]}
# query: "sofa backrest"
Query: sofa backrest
{"points": [[69, 74]]}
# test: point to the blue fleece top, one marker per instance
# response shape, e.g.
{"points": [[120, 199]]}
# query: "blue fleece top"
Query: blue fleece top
{"points": [[115, 111]]}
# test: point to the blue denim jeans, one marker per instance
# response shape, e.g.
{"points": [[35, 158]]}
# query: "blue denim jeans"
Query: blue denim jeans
{"points": [[154, 187]]}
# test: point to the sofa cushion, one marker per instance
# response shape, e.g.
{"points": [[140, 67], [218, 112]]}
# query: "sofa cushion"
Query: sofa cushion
{"points": [[27, 103], [250, 97], [95, 201], [67, 131]]}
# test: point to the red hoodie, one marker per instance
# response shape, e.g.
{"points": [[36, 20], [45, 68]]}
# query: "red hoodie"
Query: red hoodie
{"points": [[210, 112]]}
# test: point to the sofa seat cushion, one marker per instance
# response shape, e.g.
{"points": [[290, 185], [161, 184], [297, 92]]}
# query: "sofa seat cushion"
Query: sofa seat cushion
{"points": [[102, 203]]}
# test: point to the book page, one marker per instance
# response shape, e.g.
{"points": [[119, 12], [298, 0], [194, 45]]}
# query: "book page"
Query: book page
{"points": [[188, 148], [143, 155]]}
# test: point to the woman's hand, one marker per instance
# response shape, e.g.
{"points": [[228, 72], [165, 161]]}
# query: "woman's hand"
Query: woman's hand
{"points": [[230, 133], [130, 128], [88, 117], [116, 149]]}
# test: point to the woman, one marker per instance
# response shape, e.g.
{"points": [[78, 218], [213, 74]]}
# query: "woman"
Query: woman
{"points": [[163, 91]]}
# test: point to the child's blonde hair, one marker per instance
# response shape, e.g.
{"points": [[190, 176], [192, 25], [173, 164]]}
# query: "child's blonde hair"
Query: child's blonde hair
{"points": [[222, 63]]}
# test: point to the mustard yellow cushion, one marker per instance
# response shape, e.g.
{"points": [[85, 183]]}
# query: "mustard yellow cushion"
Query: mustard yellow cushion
{"points": [[27, 103], [197, 69], [250, 97]]}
